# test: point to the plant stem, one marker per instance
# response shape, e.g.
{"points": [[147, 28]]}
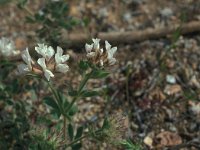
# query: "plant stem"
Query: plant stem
{"points": [[64, 127], [84, 136], [82, 84], [28, 11], [76, 140], [53, 91]]}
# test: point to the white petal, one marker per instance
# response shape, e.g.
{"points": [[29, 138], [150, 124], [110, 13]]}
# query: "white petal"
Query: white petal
{"points": [[41, 49], [107, 45], [16, 52], [41, 62], [27, 58], [63, 68], [88, 47], [112, 61], [96, 43], [23, 68], [59, 58], [48, 74], [59, 51], [111, 52], [64, 58], [101, 51], [101, 63], [58, 55], [49, 53], [91, 54]]}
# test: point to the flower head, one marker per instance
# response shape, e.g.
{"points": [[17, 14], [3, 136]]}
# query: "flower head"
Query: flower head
{"points": [[99, 56], [7, 48], [49, 63]]}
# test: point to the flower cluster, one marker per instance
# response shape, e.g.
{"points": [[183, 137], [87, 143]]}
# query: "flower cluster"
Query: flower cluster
{"points": [[7, 48], [49, 62], [99, 56]]}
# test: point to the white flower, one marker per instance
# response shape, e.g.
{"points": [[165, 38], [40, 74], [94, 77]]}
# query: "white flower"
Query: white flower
{"points": [[96, 43], [7, 47], [63, 68], [47, 73], [99, 56], [88, 47], [27, 67], [101, 51], [46, 51], [101, 63], [23, 68], [112, 61], [27, 58], [110, 50], [60, 59]]}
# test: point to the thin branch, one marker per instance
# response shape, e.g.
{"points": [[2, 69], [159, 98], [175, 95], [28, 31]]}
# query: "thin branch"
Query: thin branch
{"points": [[130, 37]]}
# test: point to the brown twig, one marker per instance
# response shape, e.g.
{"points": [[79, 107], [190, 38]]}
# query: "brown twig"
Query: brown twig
{"points": [[78, 39]]}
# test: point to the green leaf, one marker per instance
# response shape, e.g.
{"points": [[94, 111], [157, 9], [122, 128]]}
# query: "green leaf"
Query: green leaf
{"points": [[73, 110], [106, 124], [83, 65], [10, 102], [51, 102], [39, 18], [56, 113], [79, 132], [30, 19], [99, 74], [66, 103], [89, 93], [77, 146], [60, 99], [22, 3], [73, 93], [70, 132], [128, 145], [2, 2]]}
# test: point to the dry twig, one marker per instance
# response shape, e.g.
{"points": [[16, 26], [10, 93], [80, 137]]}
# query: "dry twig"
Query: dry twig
{"points": [[78, 39]]}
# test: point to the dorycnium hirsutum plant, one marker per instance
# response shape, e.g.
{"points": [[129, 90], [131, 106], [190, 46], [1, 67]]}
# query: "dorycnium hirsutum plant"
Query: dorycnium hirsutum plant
{"points": [[95, 66]]}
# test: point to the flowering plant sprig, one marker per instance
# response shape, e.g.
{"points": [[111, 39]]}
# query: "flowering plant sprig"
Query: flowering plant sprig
{"points": [[95, 66]]}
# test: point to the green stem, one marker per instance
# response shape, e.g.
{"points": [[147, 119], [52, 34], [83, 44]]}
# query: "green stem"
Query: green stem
{"points": [[83, 83], [53, 91], [64, 127], [57, 99]]}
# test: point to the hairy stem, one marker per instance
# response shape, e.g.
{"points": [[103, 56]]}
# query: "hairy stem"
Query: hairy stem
{"points": [[82, 85], [64, 128]]}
